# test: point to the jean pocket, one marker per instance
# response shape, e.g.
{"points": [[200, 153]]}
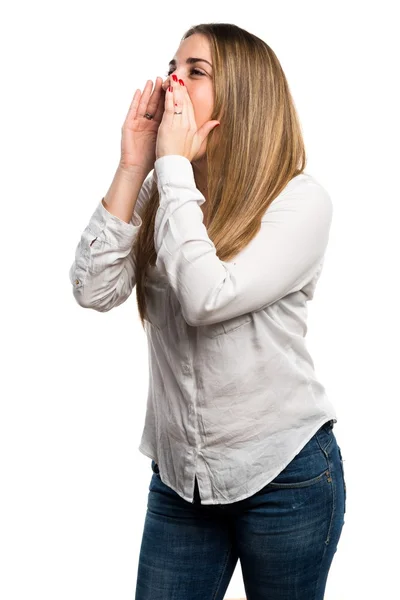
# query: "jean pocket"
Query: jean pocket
{"points": [[307, 468], [278, 483]]}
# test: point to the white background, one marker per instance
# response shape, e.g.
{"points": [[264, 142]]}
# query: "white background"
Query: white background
{"points": [[74, 382]]}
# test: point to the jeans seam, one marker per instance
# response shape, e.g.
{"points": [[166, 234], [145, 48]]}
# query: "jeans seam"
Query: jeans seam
{"points": [[343, 477], [332, 481], [329, 432], [334, 508], [222, 572]]}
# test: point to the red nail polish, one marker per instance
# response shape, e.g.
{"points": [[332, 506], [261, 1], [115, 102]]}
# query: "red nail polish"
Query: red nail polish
{"points": [[170, 88], [181, 82], [174, 77]]}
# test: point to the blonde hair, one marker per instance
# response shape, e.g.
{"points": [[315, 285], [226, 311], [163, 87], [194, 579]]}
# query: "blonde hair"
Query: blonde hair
{"points": [[260, 146]]}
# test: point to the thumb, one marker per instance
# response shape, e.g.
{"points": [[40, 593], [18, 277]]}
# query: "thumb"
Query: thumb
{"points": [[206, 128]]}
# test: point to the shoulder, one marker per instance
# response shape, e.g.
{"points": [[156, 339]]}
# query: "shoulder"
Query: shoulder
{"points": [[303, 195]]}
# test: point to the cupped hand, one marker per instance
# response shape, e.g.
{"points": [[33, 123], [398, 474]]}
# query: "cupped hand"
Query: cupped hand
{"points": [[178, 133], [139, 134]]}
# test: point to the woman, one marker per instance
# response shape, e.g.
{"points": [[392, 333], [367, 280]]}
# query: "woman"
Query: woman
{"points": [[225, 242]]}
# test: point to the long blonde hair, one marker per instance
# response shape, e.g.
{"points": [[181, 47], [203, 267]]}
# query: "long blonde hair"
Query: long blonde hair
{"points": [[260, 146]]}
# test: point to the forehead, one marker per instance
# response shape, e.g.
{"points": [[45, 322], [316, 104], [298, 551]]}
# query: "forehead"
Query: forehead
{"points": [[195, 45]]}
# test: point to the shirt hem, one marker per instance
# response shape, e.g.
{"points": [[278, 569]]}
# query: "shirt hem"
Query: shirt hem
{"points": [[252, 492], [147, 453], [280, 469]]}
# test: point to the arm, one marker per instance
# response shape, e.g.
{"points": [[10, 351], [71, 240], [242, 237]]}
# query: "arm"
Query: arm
{"points": [[103, 272], [281, 259]]}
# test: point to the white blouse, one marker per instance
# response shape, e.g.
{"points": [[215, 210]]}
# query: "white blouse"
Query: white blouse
{"points": [[233, 395]]}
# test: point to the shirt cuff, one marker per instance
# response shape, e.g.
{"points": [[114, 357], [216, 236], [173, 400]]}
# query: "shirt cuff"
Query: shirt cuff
{"points": [[117, 232], [175, 169]]}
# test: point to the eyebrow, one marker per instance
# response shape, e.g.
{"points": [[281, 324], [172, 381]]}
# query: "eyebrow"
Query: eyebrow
{"points": [[190, 61]]}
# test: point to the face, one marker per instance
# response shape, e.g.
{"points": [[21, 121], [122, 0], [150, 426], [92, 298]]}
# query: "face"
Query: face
{"points": [[197, 78]]}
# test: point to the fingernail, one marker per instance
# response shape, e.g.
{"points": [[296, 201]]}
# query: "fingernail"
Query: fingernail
{"points": [[174, 77], [181, 82], [170, 88]]}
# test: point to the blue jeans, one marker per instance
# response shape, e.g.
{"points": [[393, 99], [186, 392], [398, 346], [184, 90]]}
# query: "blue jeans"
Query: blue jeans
{"points": [[285, 535]]}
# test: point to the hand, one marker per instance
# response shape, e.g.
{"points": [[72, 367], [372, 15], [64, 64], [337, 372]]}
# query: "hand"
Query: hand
{"points": [[139, 134], [178, 133]]}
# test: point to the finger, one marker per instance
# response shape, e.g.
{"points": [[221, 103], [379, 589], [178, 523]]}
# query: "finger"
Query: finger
{"points": [[142, 108], [169, 106], [134, 105], [179, 104], [166, 83], [160, 108], [153, 103], [188, 108]]}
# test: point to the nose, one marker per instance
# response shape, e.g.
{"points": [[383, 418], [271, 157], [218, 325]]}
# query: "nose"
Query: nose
{"points": [[168, 80]]}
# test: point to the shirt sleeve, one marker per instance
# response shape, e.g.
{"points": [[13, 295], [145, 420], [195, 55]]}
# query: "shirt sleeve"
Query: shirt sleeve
{"points": [[103, 272], [282, 258]]}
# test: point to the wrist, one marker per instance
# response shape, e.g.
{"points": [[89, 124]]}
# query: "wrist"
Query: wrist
{"points": [[132, 172]]}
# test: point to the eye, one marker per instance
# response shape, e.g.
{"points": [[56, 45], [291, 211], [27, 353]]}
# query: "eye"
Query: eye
{"points": [[194, 71]]}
